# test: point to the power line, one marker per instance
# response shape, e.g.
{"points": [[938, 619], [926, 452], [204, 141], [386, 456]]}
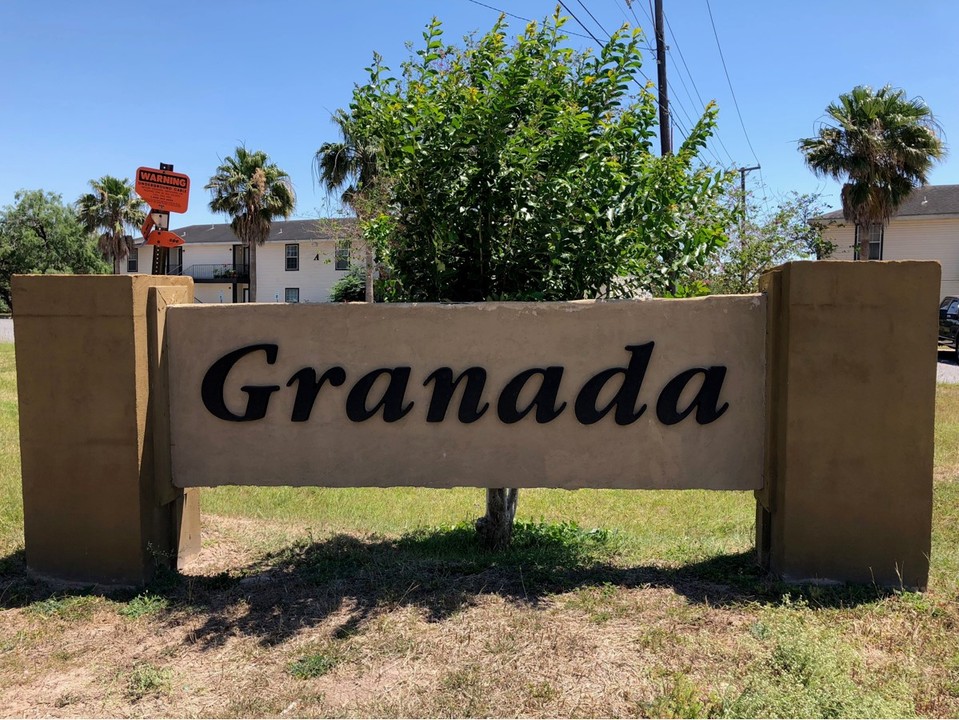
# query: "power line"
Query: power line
{"points": [[619, 6], [730, 83], [675, 118], [595, 39], [573, 15], [582, 5], [520, 17], [695, 88]]}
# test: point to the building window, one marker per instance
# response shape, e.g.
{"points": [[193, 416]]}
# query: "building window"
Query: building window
{"points": [[292, 295], [342, 256], [874, 240], [133, 259], [293, 256]]}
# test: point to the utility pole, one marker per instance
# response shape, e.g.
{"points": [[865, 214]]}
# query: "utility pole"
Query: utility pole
{"points": [[742, 186], [665, 129]]}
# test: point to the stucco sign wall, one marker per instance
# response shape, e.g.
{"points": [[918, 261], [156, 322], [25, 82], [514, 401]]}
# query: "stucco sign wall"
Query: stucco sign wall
{"points": [[644, 394]]}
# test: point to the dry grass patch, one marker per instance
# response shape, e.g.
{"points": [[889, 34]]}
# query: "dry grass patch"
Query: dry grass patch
{"points": [[424, 625]]}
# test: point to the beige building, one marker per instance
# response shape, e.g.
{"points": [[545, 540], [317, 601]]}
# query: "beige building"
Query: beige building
{"points": [[926, 227], [300, 261]]}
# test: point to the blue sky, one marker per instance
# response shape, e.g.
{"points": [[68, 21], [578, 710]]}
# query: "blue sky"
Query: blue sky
{"points": [[100, 88]]}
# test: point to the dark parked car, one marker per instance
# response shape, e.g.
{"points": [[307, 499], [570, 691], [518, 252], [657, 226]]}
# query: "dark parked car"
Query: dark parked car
{"points": [[949, 323]]}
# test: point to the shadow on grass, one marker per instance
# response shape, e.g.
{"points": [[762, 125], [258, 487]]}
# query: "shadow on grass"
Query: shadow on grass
{"points": [[441, 571]]}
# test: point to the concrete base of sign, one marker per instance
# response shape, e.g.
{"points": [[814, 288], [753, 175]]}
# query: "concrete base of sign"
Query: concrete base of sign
{"points": [[851, 352], [94, 509]]}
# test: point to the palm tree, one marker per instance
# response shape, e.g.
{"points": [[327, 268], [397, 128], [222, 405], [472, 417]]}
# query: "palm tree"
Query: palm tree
{"points": [[111, 210], [253, 192], [882, 145], [350, 165]]}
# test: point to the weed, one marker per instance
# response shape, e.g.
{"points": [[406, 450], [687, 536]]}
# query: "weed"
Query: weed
{"points": [[73, 607], [919, 603], [143, 604], [147, 679], [808, 672], [313, 665], [66, 699], [759, 630], [681, 698], [542, 692], [600, 603]]}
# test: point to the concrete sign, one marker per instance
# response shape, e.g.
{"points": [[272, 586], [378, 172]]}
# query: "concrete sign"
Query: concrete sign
{"points": [[635, 394], [819, 394]]}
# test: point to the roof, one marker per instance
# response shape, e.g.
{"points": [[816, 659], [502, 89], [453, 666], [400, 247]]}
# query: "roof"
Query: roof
{"points": [[924, 200], [285, 231]]}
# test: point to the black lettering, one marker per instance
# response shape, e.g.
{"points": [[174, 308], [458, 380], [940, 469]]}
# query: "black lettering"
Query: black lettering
{"points": [[705, 402], [211, 390], [544, 401], [308, 387], [391, 402], [443, 388], [627, 395]]}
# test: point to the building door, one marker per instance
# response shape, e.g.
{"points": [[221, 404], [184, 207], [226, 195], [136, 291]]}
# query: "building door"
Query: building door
{"points": [[241, 259], [174, 261]]}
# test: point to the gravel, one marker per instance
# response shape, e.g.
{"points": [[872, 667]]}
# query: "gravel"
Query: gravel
{"points": [[947, 370]]}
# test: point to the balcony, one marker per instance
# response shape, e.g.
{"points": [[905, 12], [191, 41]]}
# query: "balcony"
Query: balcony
{"points": [[223, 273]]}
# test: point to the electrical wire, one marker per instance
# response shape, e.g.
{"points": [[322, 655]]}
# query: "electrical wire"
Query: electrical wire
{"points": [[596, 39], [583, 5], [730, 83], [520, 17], [693, 81], [689, 115]]}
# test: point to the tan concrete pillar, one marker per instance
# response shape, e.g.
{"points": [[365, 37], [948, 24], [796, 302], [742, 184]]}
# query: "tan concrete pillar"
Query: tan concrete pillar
{"points": [[95, 510], [851, 384]]}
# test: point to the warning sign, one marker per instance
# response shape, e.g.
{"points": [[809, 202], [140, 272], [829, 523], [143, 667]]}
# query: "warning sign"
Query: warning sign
{"points": [[164, 238], [163, 189]]}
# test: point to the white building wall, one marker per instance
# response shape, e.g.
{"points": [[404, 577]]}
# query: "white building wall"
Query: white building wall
{"points": [[926, 239], [214, 292], [911, 238], [844, 238], [207, 254], [316, 275], [196, 254]]}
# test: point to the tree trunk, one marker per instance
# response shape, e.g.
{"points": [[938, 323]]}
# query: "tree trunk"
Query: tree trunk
{"points": [[369, 273], [862, 241], [252, 247], [496, 527]]}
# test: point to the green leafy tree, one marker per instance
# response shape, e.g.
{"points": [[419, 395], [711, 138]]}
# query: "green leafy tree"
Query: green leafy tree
{"points": [[254, 192], [113, 211], [524, 171], [881, 145], [759, 243], [349, 165], [41, 234]]}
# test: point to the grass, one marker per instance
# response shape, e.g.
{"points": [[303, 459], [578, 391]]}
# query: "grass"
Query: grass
{"points": [[143, 605], [146, 679], [313, 665], [367, 602]]}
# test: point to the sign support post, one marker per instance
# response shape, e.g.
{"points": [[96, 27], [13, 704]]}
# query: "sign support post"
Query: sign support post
{"points": [[166, 192]]}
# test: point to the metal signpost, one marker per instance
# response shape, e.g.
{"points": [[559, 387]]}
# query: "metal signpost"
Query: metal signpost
{"points": [[165, 191]]}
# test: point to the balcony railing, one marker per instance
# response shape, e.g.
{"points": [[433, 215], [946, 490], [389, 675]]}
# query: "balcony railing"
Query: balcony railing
{"points": [[224, 273]]}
